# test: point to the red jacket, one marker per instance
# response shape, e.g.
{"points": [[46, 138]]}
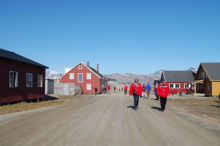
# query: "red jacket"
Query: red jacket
{"points": [[163, 91], [126, 88], [133, 88], [109, 87]]}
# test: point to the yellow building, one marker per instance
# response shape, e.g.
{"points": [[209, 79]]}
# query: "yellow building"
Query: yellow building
{"points": [[207, 79]]}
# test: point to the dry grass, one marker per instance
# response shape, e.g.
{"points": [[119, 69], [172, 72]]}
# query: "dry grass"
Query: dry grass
{"points": [[200, 106], [53, 100]]}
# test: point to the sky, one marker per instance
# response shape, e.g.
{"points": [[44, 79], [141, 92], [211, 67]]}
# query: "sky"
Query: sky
{"points": [[122, 36]]}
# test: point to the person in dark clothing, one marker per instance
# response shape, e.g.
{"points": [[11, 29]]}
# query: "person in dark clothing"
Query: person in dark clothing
{"points": [[96, 90]]}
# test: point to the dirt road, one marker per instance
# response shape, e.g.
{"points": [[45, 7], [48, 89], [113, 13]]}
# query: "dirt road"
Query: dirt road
{"points": [[104, 120]]}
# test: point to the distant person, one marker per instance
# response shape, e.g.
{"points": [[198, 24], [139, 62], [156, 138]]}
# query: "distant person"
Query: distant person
{"points": [[143, 90], [181, 92], [163, 92], [148, 88], [114, 88], [109, 88], [96, 90], [155, 91], [126, 89], [136, 91], [219, 100], [121, 88]]}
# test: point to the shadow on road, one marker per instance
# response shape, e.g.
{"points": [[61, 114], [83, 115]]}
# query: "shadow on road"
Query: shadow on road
{"points": [[48, 97], [157, 108]]}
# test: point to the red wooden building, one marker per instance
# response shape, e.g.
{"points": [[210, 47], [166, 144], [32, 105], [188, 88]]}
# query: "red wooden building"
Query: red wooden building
{"points": [[86, 77], [178, 79], [21, 78]]}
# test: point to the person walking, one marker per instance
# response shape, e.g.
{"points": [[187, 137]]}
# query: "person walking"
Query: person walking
{"points": [[109, 88], [96, 91], [155, 91], [148, 88], [126, 89], [163, 92], [143, 90], [136, 91], [114, 88]]}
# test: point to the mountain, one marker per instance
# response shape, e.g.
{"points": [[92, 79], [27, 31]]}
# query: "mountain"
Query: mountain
{"points": [[193, 69], [158, 73], [53, 74], [129, 77]]}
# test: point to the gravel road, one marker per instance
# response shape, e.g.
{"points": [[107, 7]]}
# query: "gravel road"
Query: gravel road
{"points": [[104, 120]]}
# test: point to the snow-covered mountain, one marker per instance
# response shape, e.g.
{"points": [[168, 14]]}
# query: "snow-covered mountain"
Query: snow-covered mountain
{"points": [[193, 69], [158, 73], [53, 74]]}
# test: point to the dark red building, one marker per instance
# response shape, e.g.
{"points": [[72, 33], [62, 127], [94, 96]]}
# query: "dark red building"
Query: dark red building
{"points": [[178, 80], [86, 77], [20, 78]]}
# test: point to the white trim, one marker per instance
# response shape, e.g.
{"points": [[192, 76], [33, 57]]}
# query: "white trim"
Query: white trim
{"points": [[31, 79], [72, 76], [176, 84], [15, 82], [78, 78], [41, 80], [89, 86], [89, 76], [189, 85], [172, 84]]}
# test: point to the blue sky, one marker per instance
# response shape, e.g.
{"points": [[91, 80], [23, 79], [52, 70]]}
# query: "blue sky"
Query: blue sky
{"points": [[123, 36]]}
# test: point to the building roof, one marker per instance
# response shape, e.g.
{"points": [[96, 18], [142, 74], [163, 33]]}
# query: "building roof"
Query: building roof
{"points": [[213, 70], [178, 76], [13, 56], [95, 71]]}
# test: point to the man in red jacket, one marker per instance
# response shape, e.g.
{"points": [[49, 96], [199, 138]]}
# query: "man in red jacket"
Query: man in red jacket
{"points": [[163, 92], [136, 91]]}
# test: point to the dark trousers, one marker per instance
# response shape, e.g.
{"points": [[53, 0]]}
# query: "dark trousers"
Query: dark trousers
{"points": [[163, 101], [136, 100]]}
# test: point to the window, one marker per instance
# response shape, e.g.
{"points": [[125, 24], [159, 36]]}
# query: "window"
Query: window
{"points": [[88, 76], [88, 87], [13, 79], [171, 85], [71, 76], [40, 81], [186, 86], [193, 85], [80, 66], [29, 80], [202, 75], [208, 86], [177, 85], [80, 77]]}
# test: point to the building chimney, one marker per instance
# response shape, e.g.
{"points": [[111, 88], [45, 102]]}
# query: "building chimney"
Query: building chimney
{"points": [[88, 64], [97, 67]]}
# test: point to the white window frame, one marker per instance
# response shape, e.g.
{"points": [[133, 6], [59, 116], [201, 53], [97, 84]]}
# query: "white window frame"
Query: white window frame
{"points": [[202, 75], [170, 85], [175, 86], [30, 76], [89, 76], [41, 80], [82, 77], [188, 85], [89, 86], [14, 79], [193, 85], [209, 87], [72, 77], [80, 67]]}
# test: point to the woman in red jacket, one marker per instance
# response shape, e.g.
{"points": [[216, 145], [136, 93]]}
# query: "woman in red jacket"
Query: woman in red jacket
{"points": [[163, 92], [136, 91]]}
